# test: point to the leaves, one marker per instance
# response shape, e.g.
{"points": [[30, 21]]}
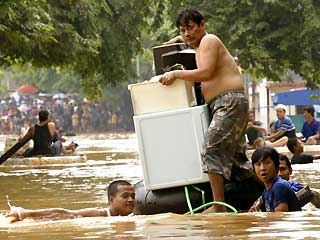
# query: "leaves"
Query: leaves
{"points": [[95, 38], [98, 40], [268, 36]]}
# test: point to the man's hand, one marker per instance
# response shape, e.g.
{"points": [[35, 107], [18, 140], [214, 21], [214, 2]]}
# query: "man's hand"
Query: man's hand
{"points": [[177, 39], [167, 78], [257, 205], [15, 214], [250, 125]]}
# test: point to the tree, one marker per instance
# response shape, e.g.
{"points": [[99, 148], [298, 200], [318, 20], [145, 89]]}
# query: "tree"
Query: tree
{"points": [[46, 79], [99, 39], [95, 38], [268, 36]]}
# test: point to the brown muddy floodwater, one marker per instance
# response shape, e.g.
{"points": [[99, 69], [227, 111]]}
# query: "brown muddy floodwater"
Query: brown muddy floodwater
{"points": [[115, 156]]}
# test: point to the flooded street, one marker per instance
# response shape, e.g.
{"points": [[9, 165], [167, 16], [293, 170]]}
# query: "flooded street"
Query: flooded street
{"points": [[115, 156]]}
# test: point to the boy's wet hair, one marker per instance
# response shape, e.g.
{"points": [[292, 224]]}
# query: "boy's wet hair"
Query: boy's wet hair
{"points": [[265, 152], [291, 144], [113, 187], [283, 157], [187, 15]]}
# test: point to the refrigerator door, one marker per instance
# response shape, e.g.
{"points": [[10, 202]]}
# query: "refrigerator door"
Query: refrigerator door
{"points": [[169, 146]]}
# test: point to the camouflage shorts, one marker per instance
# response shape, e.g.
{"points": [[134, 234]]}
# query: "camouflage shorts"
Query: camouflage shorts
{"points": [[225, 145]]}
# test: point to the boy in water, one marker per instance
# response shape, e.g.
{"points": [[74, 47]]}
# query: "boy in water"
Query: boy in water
{"points": [[285, 170], [278, 195], [121, 198], [296, 147]]}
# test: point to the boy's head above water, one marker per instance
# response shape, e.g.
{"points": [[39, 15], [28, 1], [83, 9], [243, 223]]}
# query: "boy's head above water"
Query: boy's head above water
{"points": [[265, 162]]}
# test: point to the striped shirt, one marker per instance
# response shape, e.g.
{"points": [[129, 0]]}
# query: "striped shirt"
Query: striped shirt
{"points": [[287, 125]]}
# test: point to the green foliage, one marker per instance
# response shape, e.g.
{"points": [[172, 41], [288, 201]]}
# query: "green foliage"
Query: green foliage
{"points": [[268, 36], [95, 38], [96, 41], [52, 79]]}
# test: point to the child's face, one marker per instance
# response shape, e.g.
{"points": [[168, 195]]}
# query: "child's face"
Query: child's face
{"points": [[265, 171]]}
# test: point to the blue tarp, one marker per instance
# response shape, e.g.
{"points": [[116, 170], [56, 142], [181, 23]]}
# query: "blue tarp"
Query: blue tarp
{"points": [[297, 97]]}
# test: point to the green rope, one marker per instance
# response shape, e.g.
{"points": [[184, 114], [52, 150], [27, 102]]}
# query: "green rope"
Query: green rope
{"points": [[210, 204], [204, 205], [186, 191], [202, 194]]}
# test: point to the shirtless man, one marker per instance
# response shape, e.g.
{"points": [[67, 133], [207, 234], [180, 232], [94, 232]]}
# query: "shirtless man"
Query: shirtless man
{"points": [[121, 198], [45, 138], [223, 90]]}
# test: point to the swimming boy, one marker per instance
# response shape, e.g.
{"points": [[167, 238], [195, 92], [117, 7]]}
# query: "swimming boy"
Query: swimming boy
{"points": [[121, 199]]}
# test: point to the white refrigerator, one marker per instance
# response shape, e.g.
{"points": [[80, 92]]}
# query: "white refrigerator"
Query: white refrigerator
{"points": [[170, 146]]}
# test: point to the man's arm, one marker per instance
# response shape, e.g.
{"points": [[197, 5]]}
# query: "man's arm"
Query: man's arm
{"points": [[90, 212], [276, 135], [257, 206], [258, 127], [300, 135], [52, 128], [18, 213], [177, 39], [29, 135], [315, 157], [281, 207], [313, 139]]}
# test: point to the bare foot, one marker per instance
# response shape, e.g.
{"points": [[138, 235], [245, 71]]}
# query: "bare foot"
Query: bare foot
{"points": [[215, 209]]}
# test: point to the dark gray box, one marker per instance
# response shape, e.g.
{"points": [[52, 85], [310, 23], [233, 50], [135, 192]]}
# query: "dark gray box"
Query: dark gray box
{"points": [[158, 51]]}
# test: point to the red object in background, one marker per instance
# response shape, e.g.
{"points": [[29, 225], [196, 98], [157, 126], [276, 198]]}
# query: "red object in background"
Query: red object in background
{"points": [[27, 89]]}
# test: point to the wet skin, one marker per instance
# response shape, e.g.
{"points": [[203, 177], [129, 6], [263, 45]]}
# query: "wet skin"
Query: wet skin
{"points": [[284, 171], [266, 171], [123, 202]]}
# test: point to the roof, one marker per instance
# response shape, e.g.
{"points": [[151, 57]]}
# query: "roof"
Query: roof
{"points": [[300, 97]]}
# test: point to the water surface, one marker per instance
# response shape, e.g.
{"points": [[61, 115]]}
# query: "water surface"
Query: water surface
{"points": [[77, 186]]}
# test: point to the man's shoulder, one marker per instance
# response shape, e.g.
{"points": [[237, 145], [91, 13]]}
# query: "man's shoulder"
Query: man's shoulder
{"points": [[301, 158], [210, 38], [280, 183], [315, 121], [276, 122], [287, 119]]}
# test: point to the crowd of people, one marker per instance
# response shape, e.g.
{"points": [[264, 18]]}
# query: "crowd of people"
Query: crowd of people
{"points": [[69, 112]]}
